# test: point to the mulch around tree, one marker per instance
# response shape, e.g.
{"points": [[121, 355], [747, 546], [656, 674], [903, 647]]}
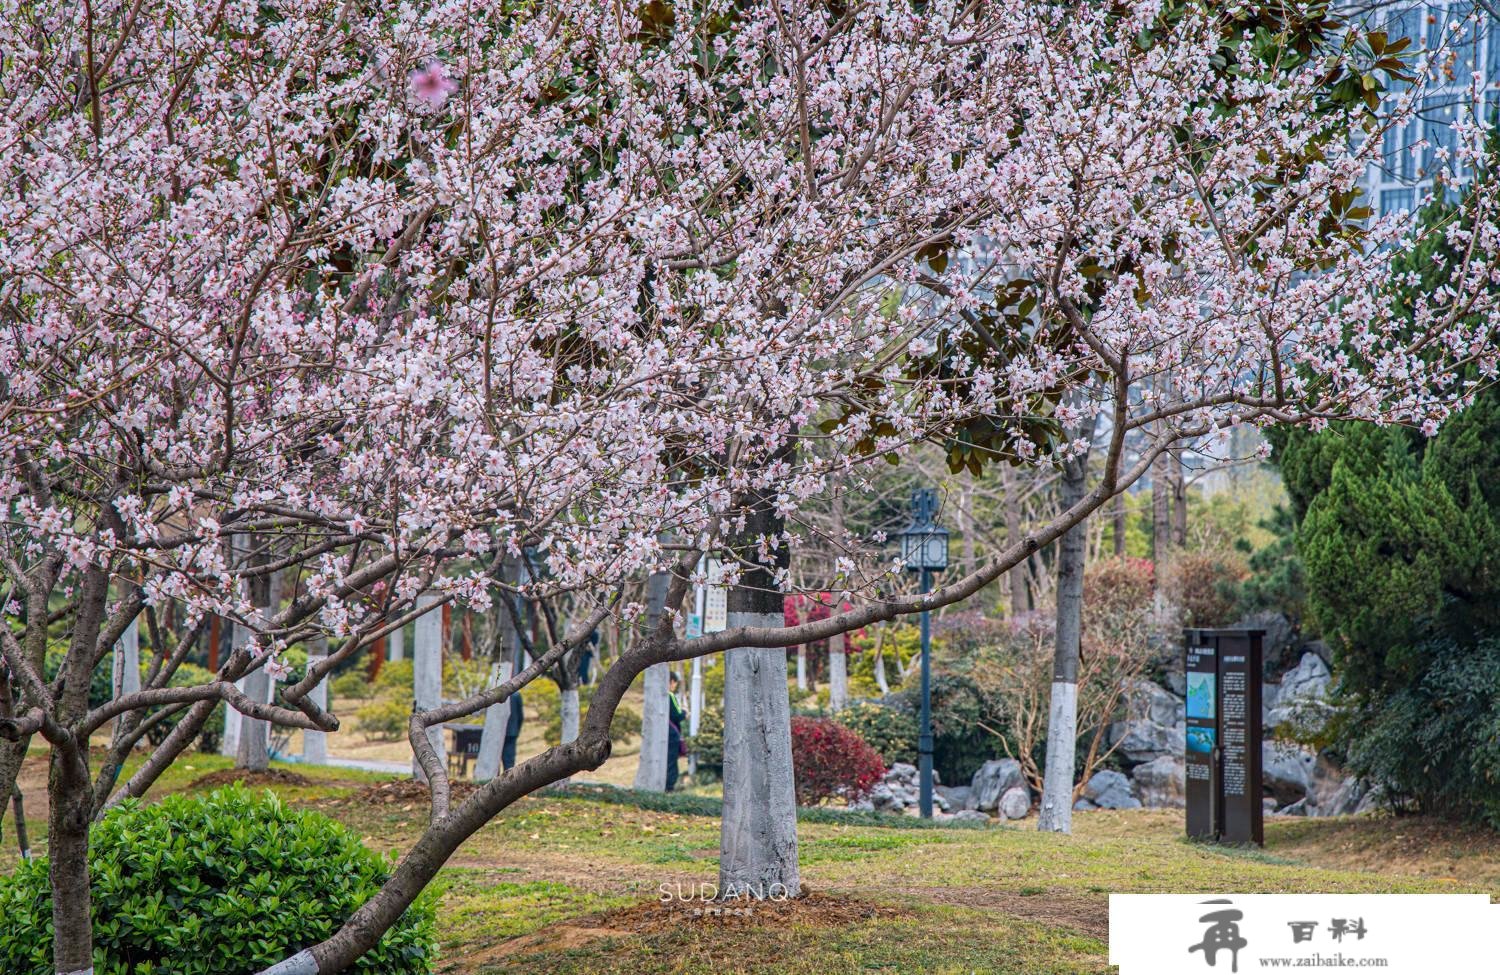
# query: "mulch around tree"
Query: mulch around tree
{"points": [[402, 792], [270, 777]]}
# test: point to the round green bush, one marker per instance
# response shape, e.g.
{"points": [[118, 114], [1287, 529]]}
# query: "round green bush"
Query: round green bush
{"points": [[890, 731], [221, 884]]}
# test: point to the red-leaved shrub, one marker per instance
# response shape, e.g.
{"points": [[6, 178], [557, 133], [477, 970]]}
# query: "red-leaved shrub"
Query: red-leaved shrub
{"points": [[830, 760]]}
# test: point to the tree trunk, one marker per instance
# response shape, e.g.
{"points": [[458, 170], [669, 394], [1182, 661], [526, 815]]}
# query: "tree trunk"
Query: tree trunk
{"points": [[1179, 502], [71, 796], [496, 720], [802, 668], [1161, 511], [1062, 722], [254, 747], [315, 743], [1120, 525], [758, 834], [396, 642], [879, 662], [651, 773], [1016, 577], [838, 674], [427, 673]]}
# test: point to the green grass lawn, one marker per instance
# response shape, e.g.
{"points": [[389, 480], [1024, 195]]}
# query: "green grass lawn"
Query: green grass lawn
{"points": [[571, 883]]}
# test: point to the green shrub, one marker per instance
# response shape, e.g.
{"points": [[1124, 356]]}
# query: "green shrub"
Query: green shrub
{"points": [[708, 743], [351, 683], [625, 725], [213, 885], [890, 731], [961, 709], [396, 679], [384, 720]]}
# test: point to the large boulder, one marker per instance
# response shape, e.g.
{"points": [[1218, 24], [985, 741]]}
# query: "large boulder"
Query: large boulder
{"points": [[1302, 697], [1160, 783], [994, 779], [970, 815], [1110, 790], [1083, 805], [1153, 726], [1287, 770], [956, 796], [1016, 803]]}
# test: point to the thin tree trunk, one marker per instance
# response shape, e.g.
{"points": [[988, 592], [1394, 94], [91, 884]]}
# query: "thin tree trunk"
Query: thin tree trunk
{"points": [[879, 662], [1179, 502], [254, 750], [651, 773], [427, 672], [1062, 723], [1016, 577], [838, 674], [1161, 510], [1120, 525], [23, 842], [315, 743], [758, 834], [802, 668]]}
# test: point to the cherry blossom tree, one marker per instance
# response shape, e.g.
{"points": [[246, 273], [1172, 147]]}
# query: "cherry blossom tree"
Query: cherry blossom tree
{"points": [[375, 298]]}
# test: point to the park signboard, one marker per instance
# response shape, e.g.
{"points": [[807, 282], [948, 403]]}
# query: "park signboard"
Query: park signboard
{"points": [[1222, 757]]}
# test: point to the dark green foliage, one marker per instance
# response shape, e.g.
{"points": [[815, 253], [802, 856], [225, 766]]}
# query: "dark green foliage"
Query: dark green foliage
{"points": [[961, 713], [213, 885], [1435, 743], [1276, 582], [890, 731], [708, 743]]}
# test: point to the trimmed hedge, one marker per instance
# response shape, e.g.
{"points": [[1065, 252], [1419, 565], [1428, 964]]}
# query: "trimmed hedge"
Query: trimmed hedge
{"points": [[213, 885]]}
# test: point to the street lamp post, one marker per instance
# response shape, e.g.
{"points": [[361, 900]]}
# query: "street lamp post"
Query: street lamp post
{"points": [[924, 549]]}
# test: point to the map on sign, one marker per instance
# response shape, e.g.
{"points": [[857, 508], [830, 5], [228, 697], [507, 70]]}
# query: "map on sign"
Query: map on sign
{"points": [[1200, 696]]}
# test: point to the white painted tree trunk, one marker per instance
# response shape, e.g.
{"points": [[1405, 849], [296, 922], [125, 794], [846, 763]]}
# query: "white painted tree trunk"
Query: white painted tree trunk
{"points": [[496, 719], [838, 675], [879, 663], [568, 708], [1056, 814], [758, 839], [315, 743], [396, 642], [127, 661], [229, 746], [802, 668], [651, 773], [427, 667], [254, 749]]}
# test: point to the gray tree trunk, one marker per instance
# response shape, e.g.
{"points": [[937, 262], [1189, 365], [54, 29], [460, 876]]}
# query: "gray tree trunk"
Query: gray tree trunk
{"points": [[427, 672], [254, 748], [1120, 525], [127, 660], [758, 835], [315, 743], [802, 668], [497, 716], [1062, 720], [1016, 577], [1179, 502], [838, 674], [1161, 511], [568, 709], [651, 773], [496, 719], [396, 642]]}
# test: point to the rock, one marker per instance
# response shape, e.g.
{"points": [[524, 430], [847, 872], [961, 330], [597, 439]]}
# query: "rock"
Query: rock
{"points": [[994, 778], [1298, 808], [1373, 799], [1344, 801], [970, 816], [1320, 650], [1083, 805], [1302, 698], [1160, 783], [957, 796], [1141, 740], [1287, 770], [1016, 803], [1279, 644], [884, 799], [1177, 682], [1110, 790], [903, 772], [1145, 700], [1268, 805]]}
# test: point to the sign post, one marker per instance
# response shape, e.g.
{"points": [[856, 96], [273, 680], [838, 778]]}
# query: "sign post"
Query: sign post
{"points": [[1224, 734]]}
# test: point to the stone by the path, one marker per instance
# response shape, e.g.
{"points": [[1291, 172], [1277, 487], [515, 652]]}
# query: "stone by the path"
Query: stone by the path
{"points": [[1160, 783], [1110, 790], [970, 816], [1287, 770], [1016, 803], [994, 778], [1083, 805]]}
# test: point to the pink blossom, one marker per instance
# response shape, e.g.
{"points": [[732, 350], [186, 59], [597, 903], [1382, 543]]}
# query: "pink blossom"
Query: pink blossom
{"points": [[432, 85]]}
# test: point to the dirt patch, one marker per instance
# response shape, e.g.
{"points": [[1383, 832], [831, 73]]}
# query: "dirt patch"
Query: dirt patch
{"points": [[1418, 846], [657, 917], [402, 792], [229, 776]]}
